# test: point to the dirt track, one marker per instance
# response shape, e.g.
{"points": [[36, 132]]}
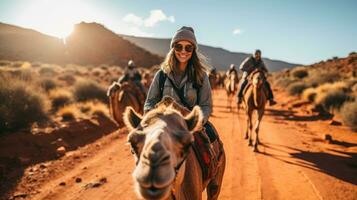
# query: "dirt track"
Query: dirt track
{"points": [[293, 163]]}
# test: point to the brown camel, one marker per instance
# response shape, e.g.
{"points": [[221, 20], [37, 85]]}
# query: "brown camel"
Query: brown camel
{"points": [[255, 98], [230, 84], [166, 165], [127, 95]]}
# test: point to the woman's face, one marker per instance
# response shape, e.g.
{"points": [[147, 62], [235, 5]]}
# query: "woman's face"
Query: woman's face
{"points": [[183, 51]]}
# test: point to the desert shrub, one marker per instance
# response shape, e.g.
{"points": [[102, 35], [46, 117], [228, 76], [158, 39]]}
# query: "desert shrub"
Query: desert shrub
{"points": [[60, 98], [22, 73], [296, 88], [318, 78], [86, 90], [47, 71], [284, 81], [20, 105], [36, 64], [299, 72], [69, 112], [17, 64], [97, 72], [5, 63], [352, 53], [309, 94], [98, 108], [349, 114], [333, 99], [68, 78], [47, 84]]}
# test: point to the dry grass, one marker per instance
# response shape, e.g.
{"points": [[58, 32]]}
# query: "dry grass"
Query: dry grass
{"points": [[86, 90], [349, 114], [299, 72], [60, 98], [309, 94], [84, 110], [20, 104], [296, 88]]}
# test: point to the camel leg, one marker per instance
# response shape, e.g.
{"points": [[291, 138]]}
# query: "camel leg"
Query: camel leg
{"points": [[257, 125], [249, 126], [214, 187]]}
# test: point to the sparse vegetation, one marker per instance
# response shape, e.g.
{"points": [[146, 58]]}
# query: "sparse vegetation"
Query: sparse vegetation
{"points": [[47, 84], [349, 114], [309, 94], [333, 100], [20, 105], [60, 98], [300, 72], [86, 90], [296, 88]]}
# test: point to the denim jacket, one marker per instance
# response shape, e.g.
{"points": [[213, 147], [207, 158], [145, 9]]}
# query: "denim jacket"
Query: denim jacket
{"points": [[190, 94]]}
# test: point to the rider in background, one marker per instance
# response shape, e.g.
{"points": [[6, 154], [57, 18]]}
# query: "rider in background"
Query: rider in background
{"points": [[248, 66], [132, 74], [232, 69]]}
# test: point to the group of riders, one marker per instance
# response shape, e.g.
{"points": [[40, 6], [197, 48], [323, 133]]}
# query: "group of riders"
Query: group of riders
{"points": [[182, 76], [250, 64]]}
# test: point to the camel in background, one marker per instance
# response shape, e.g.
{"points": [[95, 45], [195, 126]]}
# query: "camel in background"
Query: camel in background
{"points": [[230, 85], [255, 98], [166, 165], [126, 95]]}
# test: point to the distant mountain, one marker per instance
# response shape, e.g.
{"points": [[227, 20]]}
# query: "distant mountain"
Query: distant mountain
{"points": [[18, 43], [90, 43], [219, 58]]}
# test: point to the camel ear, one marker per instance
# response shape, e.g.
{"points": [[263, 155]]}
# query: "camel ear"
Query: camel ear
{"points": [[194, 120], [131, 118]]}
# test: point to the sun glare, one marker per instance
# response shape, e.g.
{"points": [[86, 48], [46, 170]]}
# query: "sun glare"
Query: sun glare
{"points": [[55, 18]]}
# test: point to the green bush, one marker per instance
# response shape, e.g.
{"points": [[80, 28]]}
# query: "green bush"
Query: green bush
{"points": [[89, 90], [349, 114], [333, 99], [296, 88], [20, 105]]}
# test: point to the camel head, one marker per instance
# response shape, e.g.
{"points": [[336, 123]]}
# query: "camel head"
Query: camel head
{"points": [[257, 78], [160, 141]]}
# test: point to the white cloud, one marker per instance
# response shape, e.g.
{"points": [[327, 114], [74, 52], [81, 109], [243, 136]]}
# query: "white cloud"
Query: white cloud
{"points": [[155, 17], [237, 31], [133, 19]]}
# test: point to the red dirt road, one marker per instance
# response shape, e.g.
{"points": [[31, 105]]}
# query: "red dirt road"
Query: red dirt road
{"points": [[293, 163]]}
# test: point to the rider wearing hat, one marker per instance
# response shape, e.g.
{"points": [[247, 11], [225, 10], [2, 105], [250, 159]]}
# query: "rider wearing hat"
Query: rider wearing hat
{"points": [[248, 66]]}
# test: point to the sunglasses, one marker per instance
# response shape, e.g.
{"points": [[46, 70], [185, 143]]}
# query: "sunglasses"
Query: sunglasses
{"points": [[179, 47]]}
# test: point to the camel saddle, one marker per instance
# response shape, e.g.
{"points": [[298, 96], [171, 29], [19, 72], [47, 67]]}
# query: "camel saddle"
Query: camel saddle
{"points": [[250, 83], [208, 149]]}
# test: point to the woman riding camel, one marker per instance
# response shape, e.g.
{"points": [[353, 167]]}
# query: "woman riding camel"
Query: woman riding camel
{"points": [[182, 76], [248, 66]]}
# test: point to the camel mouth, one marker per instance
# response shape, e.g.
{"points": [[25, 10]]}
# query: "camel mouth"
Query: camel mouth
{"points": [[154, 192]]}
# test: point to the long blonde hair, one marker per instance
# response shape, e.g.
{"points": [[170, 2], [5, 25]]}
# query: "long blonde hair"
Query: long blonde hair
{"points": [[196, 67]]}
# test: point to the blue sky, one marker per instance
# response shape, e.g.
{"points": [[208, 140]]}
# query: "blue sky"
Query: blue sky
{"points": [[295, 31]]}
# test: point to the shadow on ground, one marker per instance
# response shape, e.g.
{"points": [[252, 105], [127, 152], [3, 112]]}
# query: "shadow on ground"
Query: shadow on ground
{"points": [[22, 149], [341, 165]]}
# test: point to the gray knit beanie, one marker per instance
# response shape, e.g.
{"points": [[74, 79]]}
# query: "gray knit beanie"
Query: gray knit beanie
{"points": [[184, 33]]}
